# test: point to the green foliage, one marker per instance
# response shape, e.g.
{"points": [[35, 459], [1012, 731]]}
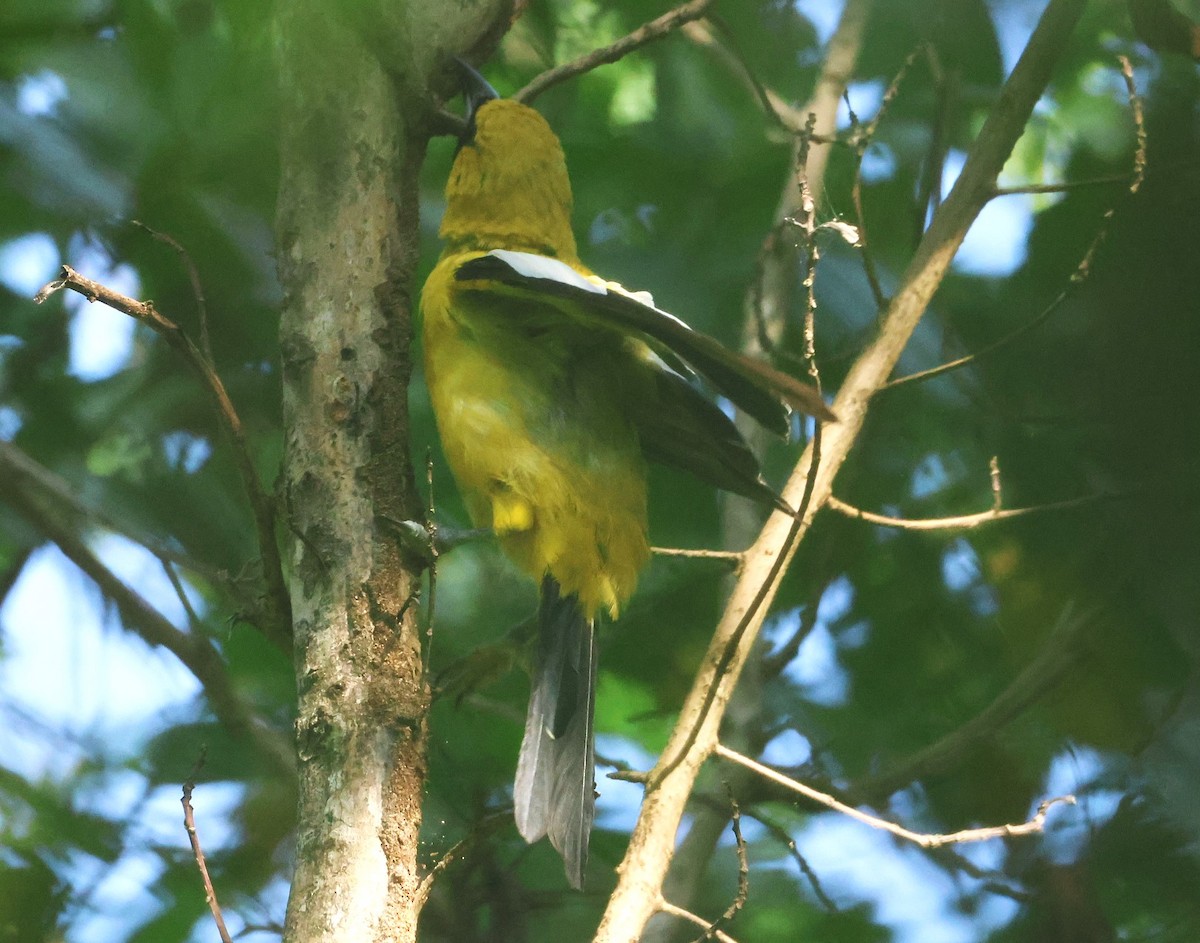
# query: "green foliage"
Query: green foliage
{"points": [[166, 114]]}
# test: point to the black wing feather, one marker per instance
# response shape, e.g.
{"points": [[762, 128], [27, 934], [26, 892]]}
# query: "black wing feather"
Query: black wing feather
{"points": [[755, 387]]}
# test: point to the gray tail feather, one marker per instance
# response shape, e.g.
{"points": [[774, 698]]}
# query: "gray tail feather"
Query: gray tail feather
{"points": [[554, 792]]}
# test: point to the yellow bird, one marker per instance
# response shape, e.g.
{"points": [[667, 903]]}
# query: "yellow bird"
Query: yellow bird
{"points": [[551, 388]]}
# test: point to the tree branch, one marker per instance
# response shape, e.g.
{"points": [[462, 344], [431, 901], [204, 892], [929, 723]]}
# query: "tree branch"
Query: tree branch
{"points": [[925, 840], [1083, 269], [40, 505], [647, 33], [650, 847], [189, 823], [278, 627], [962, 521]]}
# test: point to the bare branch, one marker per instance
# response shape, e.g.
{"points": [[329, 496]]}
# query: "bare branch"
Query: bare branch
{"points": [[1065, 187], [734, 557], [647, 33], [666, 907], [262, 506], [194, 277], [695, 736], [1083, 269], [189, 823], [963, 521], [1034, 825]]}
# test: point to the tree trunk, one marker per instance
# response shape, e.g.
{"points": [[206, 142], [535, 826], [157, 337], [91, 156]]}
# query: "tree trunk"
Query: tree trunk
{"points": [[355, 106]]}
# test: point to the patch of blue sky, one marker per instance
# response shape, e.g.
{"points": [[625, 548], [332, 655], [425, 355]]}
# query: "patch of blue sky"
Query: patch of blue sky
{"points": [[160, 821], [816, 669], [907, 890], [619, 802], [68, 669], [186, 450], [1014, 21], [139, 568], [40, 93], [1076, 771], [121, 896], [787, 748], [28, 262], [10, 423], [996, 243], [878, 163], [929, 476], [101, 339], [823, 15], [960, 566], [866, 97]]}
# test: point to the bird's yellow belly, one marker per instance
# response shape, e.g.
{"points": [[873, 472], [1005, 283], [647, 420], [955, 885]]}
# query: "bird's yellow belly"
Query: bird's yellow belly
{"points": [[536, 438]]}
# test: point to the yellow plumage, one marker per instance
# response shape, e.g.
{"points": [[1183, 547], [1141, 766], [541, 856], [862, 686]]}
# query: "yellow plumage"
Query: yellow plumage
{"points": [[549, 398], [529, 404]]}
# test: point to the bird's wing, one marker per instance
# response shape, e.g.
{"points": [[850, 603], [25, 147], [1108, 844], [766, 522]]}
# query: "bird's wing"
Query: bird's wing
{"points": [[760, 390], [681, 427]]}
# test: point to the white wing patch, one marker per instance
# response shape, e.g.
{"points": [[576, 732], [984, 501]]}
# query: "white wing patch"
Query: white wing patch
{"points": [[540, 266]]}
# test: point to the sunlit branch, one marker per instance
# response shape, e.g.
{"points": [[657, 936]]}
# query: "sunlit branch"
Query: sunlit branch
{"points": [[923, 839], [650, 846], [734, 557], [962, 521]]}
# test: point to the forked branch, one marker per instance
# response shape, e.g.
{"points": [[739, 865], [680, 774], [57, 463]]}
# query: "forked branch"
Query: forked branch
{"points": [[695, 736]]}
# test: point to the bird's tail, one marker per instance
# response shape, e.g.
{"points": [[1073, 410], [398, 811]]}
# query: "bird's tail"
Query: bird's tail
{"points": [[555, 788]]}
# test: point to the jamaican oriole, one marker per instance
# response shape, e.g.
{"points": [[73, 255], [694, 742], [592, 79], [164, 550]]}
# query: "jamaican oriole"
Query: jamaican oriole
{"points": [[551, 388]]}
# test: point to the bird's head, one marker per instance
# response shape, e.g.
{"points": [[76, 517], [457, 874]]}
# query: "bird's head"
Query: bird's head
{"points": [[508, 188]]}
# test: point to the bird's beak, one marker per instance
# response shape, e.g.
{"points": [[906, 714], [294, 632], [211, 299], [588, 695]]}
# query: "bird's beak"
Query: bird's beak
{"points": [[476, 91]]}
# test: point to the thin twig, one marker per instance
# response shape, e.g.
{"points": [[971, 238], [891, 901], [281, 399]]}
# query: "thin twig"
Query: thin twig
{"points": [[1065, 187], [924, 840], [189, 823], [729, 556], [743, 891], [1084, 268], [646, 33], [181, 594], [431, 527], [781, 835], [262, 507], [1139, 124], [862, 140], [666, 907], [194, 277], [964, 521]]}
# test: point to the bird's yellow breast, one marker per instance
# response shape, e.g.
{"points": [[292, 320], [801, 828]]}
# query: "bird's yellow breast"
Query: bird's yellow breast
{"points": [[530, 408]]}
